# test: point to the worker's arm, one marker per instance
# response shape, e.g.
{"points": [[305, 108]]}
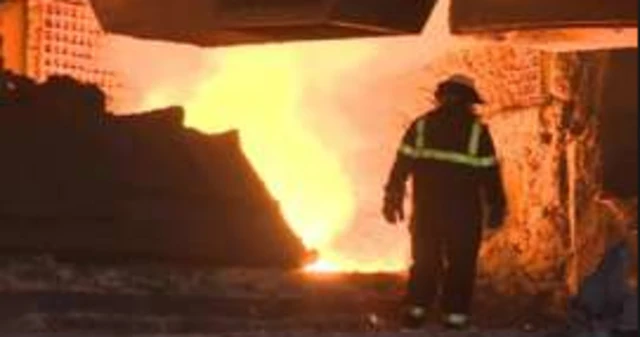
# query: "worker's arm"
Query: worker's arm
{"points": [[403, 163], [394, 189], [491, 179]]}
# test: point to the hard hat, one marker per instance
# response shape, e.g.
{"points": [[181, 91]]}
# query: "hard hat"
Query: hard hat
{"points": [[462, 84]]}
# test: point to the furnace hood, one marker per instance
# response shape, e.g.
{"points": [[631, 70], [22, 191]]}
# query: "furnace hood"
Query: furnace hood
{"points": [[228, 22]]}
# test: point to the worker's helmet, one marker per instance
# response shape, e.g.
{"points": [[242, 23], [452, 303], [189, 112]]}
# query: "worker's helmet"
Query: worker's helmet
{"points": [[461, 85]]}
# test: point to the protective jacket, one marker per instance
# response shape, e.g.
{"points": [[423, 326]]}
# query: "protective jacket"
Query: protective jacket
{"points": [[451, 158]]}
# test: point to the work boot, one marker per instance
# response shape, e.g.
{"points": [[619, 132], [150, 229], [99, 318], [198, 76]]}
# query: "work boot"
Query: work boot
{"points": [[414, 317], [456, 321]]}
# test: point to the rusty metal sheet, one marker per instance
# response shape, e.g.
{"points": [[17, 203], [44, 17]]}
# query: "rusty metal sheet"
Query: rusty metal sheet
{"points": [[228, 22]]}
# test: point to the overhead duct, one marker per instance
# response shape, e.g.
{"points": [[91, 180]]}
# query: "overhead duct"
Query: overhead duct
{"points": [[227, 22], [549, 24], [500, 15]]}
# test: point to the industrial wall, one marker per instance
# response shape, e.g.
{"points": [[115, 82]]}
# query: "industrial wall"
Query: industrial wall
{"points": [[544, 111]]}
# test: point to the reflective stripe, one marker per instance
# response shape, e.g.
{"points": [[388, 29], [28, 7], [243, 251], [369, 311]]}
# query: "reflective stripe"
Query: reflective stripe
{"points": [[420, 134], [474, 139], [449, 156], [457, 319], [470, 158]]}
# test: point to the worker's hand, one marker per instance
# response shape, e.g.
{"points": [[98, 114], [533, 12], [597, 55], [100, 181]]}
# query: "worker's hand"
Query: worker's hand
{"points": [[393, 213], [392, 209]]}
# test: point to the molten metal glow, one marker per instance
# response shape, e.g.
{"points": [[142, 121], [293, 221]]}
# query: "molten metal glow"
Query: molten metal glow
{"points": [[337, 261], [257, 91], [319, 121], [296, 139], [322, 266], [299, 148]]}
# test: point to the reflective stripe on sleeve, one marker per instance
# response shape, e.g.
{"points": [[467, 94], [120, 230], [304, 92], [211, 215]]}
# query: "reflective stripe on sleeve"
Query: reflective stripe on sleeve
{"points": [[474, 139], [420, 134]]}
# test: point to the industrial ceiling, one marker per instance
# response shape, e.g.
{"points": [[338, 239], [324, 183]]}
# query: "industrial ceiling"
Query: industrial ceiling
{"points": [[228, 22]]}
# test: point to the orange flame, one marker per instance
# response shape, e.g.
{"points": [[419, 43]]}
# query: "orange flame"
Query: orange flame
{"points": [[258, 91], [317, 120]]}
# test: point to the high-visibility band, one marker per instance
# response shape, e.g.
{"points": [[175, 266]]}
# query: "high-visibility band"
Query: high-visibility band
{"points": [[448, 156], [470, 158], [474, 139], [420, 134]]}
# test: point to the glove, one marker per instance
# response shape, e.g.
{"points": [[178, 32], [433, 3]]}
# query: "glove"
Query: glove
{"points": [[392, 209]]}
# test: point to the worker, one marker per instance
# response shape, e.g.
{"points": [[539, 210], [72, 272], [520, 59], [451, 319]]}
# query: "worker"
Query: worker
{"points": [[450, 156]]}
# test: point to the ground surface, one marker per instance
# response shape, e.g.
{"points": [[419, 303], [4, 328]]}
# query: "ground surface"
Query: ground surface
{"points": [[426, 333], [43, 296]]}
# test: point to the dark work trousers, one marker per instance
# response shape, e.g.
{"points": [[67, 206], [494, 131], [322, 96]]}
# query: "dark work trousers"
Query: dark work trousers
{"points": [[444, 258]]}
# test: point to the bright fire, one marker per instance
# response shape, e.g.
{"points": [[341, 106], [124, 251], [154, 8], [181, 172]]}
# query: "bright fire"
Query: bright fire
{"points": [[263, 92], [258, 92], [318, 121]]}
